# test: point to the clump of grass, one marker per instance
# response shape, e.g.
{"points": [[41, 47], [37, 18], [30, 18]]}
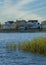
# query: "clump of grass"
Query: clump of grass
{"points": [[35, 46], [11, 46]]}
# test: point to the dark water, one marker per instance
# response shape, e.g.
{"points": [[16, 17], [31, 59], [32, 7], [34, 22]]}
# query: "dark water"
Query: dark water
{"points": [[18, 57]]}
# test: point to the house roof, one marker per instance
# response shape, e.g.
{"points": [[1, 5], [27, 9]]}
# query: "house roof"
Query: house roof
{"points": [[20, 21], [9, 22], [32, 20]]}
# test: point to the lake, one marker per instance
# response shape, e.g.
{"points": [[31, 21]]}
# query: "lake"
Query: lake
{"points": [[18, 57]]}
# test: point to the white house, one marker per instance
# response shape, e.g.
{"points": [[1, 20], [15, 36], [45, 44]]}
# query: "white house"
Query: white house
{"points": [[21, 24], [9, 24], [33, 24], [43, 25]]}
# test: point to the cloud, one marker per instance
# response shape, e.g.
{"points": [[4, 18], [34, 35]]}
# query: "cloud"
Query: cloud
{"points": [[12, 12], [31, 16], [24, 2]]}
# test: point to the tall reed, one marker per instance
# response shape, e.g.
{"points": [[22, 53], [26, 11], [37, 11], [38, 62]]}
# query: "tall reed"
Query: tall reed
{"points": [[36, 46]]}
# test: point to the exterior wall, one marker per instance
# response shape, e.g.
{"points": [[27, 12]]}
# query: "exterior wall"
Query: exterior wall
{"points": [[43, 25], [21, 24], [14, 26], [9, 25], [33, 24]]}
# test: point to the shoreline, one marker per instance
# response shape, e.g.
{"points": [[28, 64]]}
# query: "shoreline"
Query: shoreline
{"points": [[21, 31]]}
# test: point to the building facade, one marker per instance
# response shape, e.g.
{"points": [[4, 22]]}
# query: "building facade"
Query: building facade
{"points": [[21, 24], [10, 25], [33, 24], [43, 25]]}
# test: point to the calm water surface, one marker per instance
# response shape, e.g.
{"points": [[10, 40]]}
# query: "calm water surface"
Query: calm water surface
{"points": [[18, 57]]}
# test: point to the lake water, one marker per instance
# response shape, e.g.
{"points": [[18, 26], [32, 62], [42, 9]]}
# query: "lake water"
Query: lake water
{"points": [[18, 57]]}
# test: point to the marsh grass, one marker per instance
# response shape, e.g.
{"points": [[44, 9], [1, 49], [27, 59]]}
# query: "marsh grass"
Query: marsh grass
{"points": [[11, 46], [36, 46]]}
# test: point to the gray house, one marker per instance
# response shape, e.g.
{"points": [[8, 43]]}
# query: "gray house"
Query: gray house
{"points": [[33, 24], [43, 25], [21, 24]]}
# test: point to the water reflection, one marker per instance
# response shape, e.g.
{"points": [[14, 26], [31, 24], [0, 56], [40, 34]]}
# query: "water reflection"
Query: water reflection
{"points": [[19, 37]]}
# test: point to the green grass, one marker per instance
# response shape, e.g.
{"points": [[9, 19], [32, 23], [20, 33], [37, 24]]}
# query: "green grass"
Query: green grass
{"points": [[11, 46], [35, 46]]}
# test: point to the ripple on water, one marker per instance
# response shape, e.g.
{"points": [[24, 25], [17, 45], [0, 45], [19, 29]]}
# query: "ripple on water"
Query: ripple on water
{"points": [[17, 57], [20, 58]]}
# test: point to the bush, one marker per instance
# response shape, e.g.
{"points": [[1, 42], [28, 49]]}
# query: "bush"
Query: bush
{"points": [[35, 46]]}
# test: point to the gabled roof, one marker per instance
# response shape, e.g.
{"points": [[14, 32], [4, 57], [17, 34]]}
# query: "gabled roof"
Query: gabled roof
{"points": [[32, 20], [20, 20]]}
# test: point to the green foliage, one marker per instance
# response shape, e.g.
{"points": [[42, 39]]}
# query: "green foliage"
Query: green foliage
{"points": [[35, 46]]}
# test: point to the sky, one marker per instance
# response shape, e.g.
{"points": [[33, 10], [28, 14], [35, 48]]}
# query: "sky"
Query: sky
{"points": [[22, 9]]}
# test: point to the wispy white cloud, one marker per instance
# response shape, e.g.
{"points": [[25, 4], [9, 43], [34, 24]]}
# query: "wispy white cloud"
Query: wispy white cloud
{"points": [[24, 2], [12, 12], [32, 16]]}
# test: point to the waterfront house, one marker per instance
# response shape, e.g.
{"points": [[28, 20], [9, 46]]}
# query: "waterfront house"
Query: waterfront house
{"points": [[33, 24], [21, 24], [9, 24], [43, 25]]}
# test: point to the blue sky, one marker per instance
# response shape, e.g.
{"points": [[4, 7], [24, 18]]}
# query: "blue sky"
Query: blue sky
{"points": [[22, 9]]}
